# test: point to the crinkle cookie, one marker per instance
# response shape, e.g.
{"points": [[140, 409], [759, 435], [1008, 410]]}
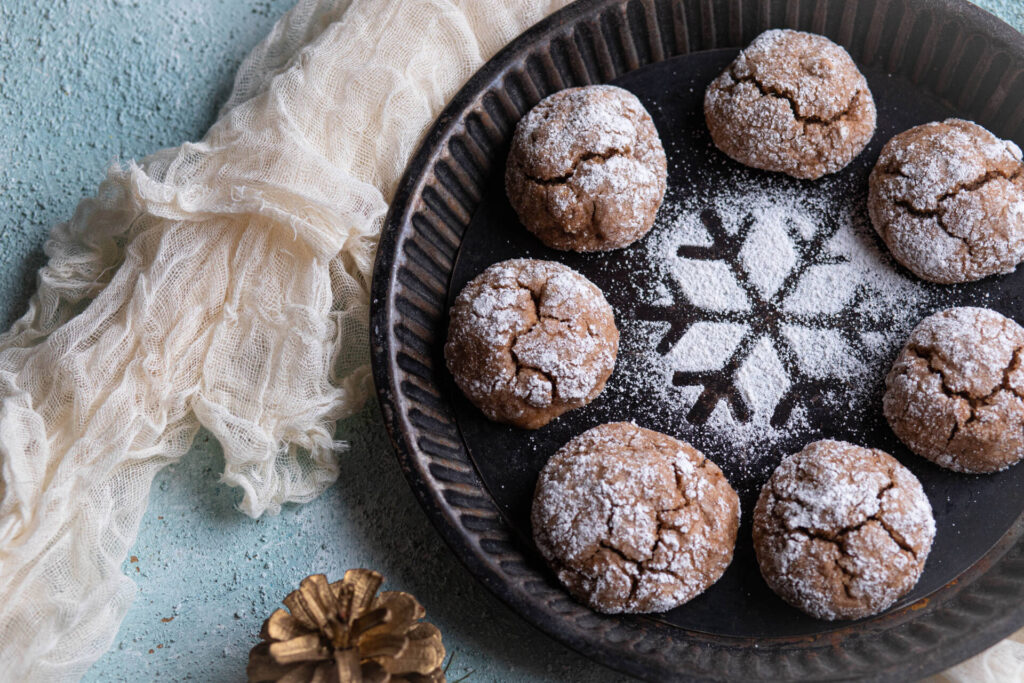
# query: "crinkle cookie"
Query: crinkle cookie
{"points": [[529, 340], [841, 531], [954, 395], [791, 102], [634, 521], [587, 171], [948, 199]]}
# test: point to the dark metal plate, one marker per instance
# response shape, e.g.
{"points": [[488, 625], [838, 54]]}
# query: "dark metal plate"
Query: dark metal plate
{"points": [[450, 219]]}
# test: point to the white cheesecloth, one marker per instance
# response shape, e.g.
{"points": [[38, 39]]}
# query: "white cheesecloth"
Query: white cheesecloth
{"points": [[221, 284]]}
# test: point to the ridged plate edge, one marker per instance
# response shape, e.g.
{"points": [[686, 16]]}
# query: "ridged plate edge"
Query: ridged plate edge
{"points": [[953, 49]]}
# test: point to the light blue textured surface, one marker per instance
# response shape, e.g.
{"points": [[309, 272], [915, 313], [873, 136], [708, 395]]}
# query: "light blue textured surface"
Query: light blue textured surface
{"points": [[83, 82]]}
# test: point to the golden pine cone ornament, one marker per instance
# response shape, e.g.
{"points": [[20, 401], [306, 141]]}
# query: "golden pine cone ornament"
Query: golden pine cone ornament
{"points": [[345, 632]]}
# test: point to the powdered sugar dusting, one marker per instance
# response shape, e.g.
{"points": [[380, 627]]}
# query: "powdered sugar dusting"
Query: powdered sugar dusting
{"points": [[772, 298], [842, 531], [768, 255], [709, 285], [933, 164], [822, 290], [533, 331], [948, 198], [823, 353], [706, 345], [586, 170], [762, 379], [954, 395], [633, 520], [595, 125], [792, 102]]}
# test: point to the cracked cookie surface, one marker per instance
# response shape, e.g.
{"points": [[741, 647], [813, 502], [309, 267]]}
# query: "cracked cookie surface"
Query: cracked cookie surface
{"points": [[948, 200], [529, 340], [841, 531], [791, 102], [632, 520], [587, 171], [954, 395]]}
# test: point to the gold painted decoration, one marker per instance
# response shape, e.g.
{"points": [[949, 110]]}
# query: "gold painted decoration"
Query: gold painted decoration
{"points": [[345, 632]]}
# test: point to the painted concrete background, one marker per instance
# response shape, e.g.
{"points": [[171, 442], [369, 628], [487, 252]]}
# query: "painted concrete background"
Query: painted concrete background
{"points": [[81, 83]]}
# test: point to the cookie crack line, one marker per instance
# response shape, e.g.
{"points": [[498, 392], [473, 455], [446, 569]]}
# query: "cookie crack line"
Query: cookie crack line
{"points": [[590, 156], [839, 541], [782, 95], [521, 365], [970, 186], [893, 533], [973, 403], [939, 213], [634, 580], [927, 355], [847, 574], [640, 566], [837, 537]]}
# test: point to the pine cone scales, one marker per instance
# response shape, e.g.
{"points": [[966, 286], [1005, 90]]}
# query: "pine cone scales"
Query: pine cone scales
{"points": [[345, 632]]}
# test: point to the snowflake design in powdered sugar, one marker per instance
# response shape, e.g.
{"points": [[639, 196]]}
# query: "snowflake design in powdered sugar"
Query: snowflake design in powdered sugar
{"points": [[772, 304]]}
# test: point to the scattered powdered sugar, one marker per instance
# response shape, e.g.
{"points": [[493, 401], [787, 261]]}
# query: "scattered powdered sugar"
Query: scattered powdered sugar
{"points": [[822, 290], [774, 308], [761, 379], [822, 353], [705, 345], [768, 255], [710, 286]]}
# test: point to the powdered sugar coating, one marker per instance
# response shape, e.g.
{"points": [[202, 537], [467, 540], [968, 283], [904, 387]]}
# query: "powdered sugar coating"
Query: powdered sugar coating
{"points": [[529, 340], [948, 199], [633, 520], [956, 392], [791, 102], [586, 171], [842, 531]]}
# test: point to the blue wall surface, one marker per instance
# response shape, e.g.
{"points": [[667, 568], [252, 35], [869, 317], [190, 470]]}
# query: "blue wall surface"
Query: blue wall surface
{"points": [[85, 82]]}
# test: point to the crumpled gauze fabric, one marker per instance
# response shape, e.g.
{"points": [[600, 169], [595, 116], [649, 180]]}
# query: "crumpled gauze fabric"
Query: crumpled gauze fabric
{"points": [[1001, 663], [222, 284]]}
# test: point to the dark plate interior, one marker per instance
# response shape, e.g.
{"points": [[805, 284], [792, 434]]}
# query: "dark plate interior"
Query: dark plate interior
{"points": [[971, 512], [449, 220]]}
